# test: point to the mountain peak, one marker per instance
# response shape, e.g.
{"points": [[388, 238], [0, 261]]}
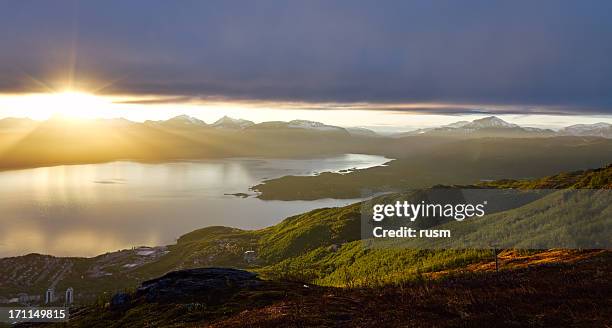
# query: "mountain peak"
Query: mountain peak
{"points": [[305, 124], [486, 126], [186, 119], [232, 123], [600, 125], [490, 122], [600, 129], [458, 124]]}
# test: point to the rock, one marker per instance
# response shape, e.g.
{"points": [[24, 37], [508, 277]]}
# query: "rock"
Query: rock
{"points": [[210, 285], [120, 301]]}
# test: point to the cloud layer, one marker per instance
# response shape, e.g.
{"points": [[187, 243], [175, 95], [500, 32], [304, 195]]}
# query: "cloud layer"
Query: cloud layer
{"points": [[522, 54]]}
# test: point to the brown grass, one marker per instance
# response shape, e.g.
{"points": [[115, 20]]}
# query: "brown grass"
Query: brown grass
{"points": [[558, 288]]}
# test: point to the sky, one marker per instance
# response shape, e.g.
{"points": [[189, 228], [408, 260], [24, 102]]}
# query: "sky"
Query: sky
{"points": [[366, 63]]}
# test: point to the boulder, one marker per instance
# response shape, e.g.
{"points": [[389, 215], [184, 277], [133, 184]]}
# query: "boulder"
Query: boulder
{"points": [[120, 301], [210, 285]]}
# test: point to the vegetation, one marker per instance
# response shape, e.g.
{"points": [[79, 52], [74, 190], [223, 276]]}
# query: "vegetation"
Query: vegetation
{"points": [[449, 163], [590, 179], [570, 289], [322, 247]]}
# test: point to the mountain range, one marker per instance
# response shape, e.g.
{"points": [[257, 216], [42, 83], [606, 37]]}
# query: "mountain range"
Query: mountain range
{"points": [[597, 130], [485, 127], [488, 126], [495, 127], [26, 143], [229, 123]]}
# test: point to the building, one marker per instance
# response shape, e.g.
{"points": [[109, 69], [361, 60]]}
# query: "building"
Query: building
{"points": [[69, 296], [49, 296]]}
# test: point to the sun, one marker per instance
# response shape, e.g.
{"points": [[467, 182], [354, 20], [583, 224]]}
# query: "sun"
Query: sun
{"points": [[74, 104], [67, 104]]}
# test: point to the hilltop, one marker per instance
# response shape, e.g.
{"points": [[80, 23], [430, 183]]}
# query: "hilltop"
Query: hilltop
{"points": [[531, 288], [538, 294]]}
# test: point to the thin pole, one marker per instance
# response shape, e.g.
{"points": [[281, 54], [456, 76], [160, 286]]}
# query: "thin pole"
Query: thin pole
{"points": [[496, 262]]}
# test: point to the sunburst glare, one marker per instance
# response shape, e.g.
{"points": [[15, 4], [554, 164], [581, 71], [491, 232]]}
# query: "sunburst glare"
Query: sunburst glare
{"points": [[67, 104]]}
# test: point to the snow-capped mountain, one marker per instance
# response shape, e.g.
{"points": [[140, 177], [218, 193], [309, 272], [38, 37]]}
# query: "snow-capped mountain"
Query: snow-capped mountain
{"points": [[485, 127], [303, 124], [298, 125], [457, 124], [595, 130], [187, 120], [179, 122], [227, 122], [486, 123]]}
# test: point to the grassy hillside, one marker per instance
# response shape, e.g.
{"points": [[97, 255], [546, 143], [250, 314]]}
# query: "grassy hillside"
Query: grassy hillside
{"points": [[600, 178], [321, 246], [561, 294], [551, 289], [340, 258]]}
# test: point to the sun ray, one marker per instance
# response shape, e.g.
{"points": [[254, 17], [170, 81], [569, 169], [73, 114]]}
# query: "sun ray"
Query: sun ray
{"points": [[7, 145], [108, 84], [40, 83], [72, 56]]}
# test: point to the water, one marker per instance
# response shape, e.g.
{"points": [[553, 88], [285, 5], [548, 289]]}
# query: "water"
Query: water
{"points": [[85, 210]]}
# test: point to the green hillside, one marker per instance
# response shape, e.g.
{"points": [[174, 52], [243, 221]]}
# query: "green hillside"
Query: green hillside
{"points": [[321, 246]]}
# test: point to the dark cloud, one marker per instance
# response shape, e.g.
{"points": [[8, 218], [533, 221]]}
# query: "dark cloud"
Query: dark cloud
{"points": [[525, 54], [158, 100], [462, 110]]}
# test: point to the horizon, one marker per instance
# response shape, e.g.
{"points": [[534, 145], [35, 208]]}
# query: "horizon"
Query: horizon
{"points": [[431, 121], [388, 73]]}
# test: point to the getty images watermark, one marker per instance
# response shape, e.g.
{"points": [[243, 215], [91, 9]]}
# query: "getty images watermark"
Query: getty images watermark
{"points": [[412, 212], [454, 218]]}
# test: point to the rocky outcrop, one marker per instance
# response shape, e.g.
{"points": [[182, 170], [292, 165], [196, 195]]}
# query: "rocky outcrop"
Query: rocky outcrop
{"points": [[211, 285], [120, 301]]}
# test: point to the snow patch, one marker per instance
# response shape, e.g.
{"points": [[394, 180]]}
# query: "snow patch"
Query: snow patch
{"points": [[232, 123], [304, 124]]}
